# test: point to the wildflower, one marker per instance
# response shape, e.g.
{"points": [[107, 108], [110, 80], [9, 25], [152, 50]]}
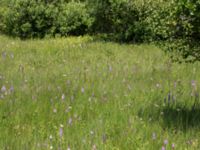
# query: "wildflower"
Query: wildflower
{"points": [[158, 85], [84, 141], [89, 99], [92, 132], [4, 54], [193, 83], [110, 68], [72, 98], [11, 89], [154, 136], [129, 87], [94, 147], [68, 148], [82, 90], [150, 119], [70, 121], [175, 84], [3, 89], [51, 147], [189, 142], [55, 110], [61, 130], [165, 141], [163, 148], [68, 109], [63, 96], [12, 55], [173, 146], [50, 137], [93, 94]]}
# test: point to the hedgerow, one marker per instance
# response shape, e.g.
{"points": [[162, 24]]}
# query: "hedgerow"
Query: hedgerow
{"points": [[171, 21]]}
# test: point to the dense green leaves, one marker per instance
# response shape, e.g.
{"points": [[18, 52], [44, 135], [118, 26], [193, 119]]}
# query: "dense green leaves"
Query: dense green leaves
{"points": [[31, 18], [73, 18], [184, 29], [171, 21]]}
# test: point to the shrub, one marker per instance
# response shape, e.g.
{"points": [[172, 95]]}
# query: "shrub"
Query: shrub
{"points": [[73, 18], [32, 18], [181, 25], [125, 19], [3, 11], [175, 22]]}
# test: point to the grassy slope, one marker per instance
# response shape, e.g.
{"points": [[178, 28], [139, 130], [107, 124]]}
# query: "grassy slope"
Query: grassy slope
{"points": [[113, 96]]}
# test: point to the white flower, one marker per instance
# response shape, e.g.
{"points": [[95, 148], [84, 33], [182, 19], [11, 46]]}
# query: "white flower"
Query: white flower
{"points": [[82, 90], [70, 121], [55, 110], [63, 96]]}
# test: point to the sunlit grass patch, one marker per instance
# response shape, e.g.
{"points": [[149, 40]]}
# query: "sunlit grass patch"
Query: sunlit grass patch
{"points": [[78, 93]]}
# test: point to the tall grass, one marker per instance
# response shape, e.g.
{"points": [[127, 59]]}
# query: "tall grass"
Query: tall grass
{"points": [[78, 93]]}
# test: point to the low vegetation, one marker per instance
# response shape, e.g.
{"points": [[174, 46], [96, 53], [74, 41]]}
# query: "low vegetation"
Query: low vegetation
{"points": [[81, 93], [99, 74]]}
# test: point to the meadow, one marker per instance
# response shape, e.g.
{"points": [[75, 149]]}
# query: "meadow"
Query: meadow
{"points": [[78, 93]]}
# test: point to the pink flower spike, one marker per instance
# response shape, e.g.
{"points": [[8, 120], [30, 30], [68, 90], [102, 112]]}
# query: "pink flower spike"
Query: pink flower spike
{"points": [[173, 146], [163, 148]]}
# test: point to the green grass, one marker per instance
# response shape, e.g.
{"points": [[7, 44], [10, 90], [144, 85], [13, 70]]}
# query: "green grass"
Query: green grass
{"points": [[104, 94]]}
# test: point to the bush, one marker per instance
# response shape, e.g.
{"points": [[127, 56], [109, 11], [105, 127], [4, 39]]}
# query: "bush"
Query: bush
{"points": [[176, 22], [73, 18], [32, 18], [124, 19], [3, 11], [180, 28]]}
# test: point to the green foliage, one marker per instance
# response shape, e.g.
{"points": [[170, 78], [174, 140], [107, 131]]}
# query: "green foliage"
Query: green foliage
{"points": [[125, 19], [180, 28], [170, 21], [31, 18], [3, 11], [73, 18]]}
